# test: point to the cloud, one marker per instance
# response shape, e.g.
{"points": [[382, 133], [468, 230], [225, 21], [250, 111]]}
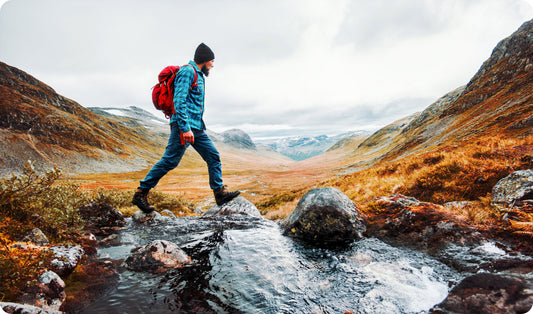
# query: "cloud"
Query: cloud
{"points": [[300, 65]]}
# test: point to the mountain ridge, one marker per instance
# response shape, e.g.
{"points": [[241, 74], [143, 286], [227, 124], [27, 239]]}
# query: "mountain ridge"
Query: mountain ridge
{"points": [[497, 101], [54, 131]]}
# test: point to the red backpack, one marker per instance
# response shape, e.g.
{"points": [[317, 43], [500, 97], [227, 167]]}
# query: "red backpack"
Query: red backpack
{"points": [[163, 92]]}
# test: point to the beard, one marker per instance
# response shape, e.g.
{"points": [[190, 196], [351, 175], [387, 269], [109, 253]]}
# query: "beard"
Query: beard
{"points": [[205, 70]]}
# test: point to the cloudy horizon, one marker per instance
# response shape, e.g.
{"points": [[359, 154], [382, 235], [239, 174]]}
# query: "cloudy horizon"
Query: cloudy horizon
{"points": [[296, 67]]}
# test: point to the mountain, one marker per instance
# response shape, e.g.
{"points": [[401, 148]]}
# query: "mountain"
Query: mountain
{"points": [[133, 116], [300, 147], [498, 101], [40, 125], [238, 138]]}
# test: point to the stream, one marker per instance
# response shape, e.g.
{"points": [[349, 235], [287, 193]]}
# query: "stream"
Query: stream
{"points": [[245, 265]]}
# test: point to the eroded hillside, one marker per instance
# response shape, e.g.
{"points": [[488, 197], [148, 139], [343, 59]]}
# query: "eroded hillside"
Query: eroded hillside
{"points": [[40, 125]]}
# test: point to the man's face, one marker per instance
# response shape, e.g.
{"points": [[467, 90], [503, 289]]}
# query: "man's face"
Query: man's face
{"points": [[207, 66]]}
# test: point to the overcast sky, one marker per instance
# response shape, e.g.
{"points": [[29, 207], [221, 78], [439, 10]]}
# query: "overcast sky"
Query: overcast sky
{"points": [[282, 67]]}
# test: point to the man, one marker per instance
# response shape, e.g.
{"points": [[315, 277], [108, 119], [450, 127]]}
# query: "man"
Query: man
{"points": [[187, 128]]}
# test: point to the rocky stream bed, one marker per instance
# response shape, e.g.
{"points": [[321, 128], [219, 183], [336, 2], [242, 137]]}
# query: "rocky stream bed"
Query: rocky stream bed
{"points": [[325, 257]]}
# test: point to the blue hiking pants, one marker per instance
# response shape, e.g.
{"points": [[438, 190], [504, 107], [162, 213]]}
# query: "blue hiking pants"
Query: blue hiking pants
{"points": [[174, 152]]}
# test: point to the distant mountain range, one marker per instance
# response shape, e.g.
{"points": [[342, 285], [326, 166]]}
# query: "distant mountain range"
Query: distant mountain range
{"points": [[38, 124], [302, 147], [295, 147]]}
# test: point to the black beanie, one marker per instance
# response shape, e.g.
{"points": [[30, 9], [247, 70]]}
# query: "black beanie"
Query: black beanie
{"points": [[203, 54]]}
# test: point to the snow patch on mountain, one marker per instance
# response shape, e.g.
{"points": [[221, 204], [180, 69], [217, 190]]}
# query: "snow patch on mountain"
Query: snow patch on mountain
{"points": [[303, 147]]}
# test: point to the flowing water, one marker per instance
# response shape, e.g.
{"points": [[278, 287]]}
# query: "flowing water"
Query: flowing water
{"points": [[245, 265]]}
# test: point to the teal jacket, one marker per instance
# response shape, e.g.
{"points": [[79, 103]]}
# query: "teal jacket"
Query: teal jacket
{"points": [[189, 102]]}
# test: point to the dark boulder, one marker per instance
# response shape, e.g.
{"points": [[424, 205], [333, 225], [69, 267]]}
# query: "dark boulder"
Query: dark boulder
{"points": [[156, 257], [102, 219], [489, 293], [238, 205], [324, 216]]}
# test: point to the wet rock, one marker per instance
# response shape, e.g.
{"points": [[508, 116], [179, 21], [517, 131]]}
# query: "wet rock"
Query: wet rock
{"points": [[36, 236], [66, 258], [48, 293], [489, 293], [407, 221], [140, 217], [157, 256], [238, 205], [514, 189], [102, 219], [17, 308], [324, 216], [94, 279]]}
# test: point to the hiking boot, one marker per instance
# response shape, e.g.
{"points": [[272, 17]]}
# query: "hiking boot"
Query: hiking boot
{"points": [[223, 196], [140, 198]]}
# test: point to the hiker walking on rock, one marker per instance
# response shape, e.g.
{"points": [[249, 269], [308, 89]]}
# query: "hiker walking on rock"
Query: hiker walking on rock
{"points": [[187, 128]]}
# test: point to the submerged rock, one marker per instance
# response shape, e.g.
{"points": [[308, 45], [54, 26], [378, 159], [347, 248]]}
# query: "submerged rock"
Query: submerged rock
{"points": [[238, 205], [92, 280], [157, 256], [324, 216], [489, 293]]}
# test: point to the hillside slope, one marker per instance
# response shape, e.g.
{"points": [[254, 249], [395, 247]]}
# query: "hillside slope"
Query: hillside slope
{"points": [[498, 101], [40, 125]]}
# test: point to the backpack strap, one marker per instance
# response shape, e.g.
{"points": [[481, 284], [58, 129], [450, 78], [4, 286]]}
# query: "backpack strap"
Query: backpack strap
{"points": [[195, 83]]}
